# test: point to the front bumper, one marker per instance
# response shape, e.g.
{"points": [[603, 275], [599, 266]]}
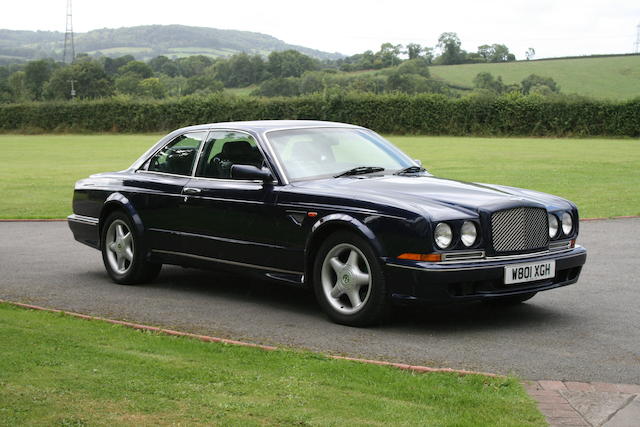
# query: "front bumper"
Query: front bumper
{"points": [[410, 281]]}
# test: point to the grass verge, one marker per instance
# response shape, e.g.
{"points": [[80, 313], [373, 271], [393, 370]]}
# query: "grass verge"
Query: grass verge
{"points": [[59, 370], [37, 172]]}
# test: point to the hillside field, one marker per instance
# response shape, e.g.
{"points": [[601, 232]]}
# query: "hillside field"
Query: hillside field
{"points": [[613, 77]]}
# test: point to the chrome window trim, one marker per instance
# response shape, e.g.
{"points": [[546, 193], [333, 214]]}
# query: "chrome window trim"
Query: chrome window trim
{"points": [[224, 261], [206, 135], [258, 144]]}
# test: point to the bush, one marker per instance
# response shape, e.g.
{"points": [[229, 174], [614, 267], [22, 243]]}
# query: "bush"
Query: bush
{"points": [[432, 114]]}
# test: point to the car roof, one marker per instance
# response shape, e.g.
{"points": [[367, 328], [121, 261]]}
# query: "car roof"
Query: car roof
{"points": [[267, 125]]}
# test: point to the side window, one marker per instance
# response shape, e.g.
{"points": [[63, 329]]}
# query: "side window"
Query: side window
{"points": [[225, 149], [178, 156]]}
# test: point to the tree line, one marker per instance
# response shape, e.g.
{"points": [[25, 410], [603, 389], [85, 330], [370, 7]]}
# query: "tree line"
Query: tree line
{"points": [[395, 69]]}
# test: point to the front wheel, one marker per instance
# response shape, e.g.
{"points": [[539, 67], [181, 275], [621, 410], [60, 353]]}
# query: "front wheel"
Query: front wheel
{"points": [[348, 281], [122, 253]]}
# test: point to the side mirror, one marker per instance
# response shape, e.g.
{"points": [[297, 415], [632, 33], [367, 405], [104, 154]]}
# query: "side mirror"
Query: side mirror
{"points": [[418, 162], [250, 172]]}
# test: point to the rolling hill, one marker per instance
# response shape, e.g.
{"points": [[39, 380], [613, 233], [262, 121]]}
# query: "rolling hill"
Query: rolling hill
{"points": [[145, 42], [611, 77]]}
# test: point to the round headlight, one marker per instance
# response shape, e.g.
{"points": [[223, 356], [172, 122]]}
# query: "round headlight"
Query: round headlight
{"points": [[567, 223], [443, 235], [553, 225], [469, 233]]}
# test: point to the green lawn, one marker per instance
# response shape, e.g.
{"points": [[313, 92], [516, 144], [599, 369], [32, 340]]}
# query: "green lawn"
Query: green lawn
{"points": [[612, 77], [602, 176], [58, 370]]}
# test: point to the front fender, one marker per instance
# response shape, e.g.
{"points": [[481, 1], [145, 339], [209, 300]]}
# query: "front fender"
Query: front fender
{"points": [[328, 224], [340, 219], [120, 201]]}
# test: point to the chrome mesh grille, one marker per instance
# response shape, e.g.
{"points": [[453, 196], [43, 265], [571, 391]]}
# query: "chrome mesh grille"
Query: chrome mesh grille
{"points": [[519, 229]]}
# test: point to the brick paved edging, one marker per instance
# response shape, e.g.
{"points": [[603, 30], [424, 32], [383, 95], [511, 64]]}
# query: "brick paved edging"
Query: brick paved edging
{"points": [[403, 366], [557, 408]]}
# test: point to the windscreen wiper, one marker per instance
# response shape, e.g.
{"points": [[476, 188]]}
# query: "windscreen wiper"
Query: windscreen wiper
{"points": [[410, 169], [360, 170]]}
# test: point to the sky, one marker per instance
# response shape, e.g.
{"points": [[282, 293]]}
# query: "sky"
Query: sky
{"points": [[552, 28]]}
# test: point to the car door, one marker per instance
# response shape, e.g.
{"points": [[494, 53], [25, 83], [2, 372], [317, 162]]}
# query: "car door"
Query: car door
{"points": [[157, 189], [233, 220]]}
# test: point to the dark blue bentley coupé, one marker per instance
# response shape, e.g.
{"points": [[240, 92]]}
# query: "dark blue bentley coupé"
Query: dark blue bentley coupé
{"points": [[330, 206]]}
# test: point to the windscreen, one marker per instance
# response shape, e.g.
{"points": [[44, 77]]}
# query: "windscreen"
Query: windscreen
{"points": [[323, 152]]}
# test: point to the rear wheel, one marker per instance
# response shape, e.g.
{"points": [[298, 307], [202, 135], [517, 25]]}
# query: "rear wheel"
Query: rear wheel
{"points": [[122, 253], [510, 300], [348, 281]]}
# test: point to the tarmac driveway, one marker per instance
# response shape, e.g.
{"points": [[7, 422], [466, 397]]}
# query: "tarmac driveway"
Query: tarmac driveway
{"points": [[585, 332]]}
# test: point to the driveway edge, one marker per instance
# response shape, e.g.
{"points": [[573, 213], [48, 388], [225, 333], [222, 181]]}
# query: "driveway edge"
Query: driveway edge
{"points": [[206, 338]]}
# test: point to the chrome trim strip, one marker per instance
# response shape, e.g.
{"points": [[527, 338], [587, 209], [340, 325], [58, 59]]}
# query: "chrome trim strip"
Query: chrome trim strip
{"points": [[83, 219], [558, 246], [463, 256], [224, 261], [477, 264]]}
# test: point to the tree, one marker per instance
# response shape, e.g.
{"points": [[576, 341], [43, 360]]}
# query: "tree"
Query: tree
{"points": [[193, 65], [91, 81], [413, 50], [486, 81], [530, 53], [143, 70], [152, 88], [415, 66], [17, 87], [388, 55], [241, 70], [495, 53], [289, 86], [450, 46], [36, 74], [290, 63], [203, 84], [112, 65], [534, 83]]}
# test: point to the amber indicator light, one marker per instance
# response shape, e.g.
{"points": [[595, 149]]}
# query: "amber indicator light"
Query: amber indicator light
{"points": [[422, 257]]}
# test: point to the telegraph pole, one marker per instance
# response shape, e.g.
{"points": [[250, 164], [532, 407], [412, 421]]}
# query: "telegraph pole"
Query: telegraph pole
{"points": [[73, 89], [69, 48]]}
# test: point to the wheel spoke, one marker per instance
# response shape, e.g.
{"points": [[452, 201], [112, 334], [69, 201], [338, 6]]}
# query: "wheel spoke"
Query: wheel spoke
{"points": [[120, 262], [126, 240], [336, 265], [337, 290], [360, 279], [128, 254], [354, 298], [353, 259], [120, 231], [112, 246]]}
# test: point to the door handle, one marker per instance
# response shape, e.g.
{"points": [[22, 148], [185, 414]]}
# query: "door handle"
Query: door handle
{"points": [[191, 190]]}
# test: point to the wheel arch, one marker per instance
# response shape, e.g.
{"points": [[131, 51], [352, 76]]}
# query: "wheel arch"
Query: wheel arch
{"points": [[328, 225], [119, 202]]}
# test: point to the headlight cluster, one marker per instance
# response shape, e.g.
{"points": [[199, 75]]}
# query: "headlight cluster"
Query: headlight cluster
{"points": [[565, 222], [443, 234]]}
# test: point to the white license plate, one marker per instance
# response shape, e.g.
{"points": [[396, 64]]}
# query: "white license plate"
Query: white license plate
{"points": [[529, 272]]}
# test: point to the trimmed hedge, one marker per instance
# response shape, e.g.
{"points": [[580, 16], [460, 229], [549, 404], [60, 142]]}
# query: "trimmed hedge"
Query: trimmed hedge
{"points": [[401, 114]]}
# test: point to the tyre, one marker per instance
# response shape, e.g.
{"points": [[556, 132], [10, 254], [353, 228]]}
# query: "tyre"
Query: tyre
{"points": [[122, 252], [510, 300], [348, 281]]}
